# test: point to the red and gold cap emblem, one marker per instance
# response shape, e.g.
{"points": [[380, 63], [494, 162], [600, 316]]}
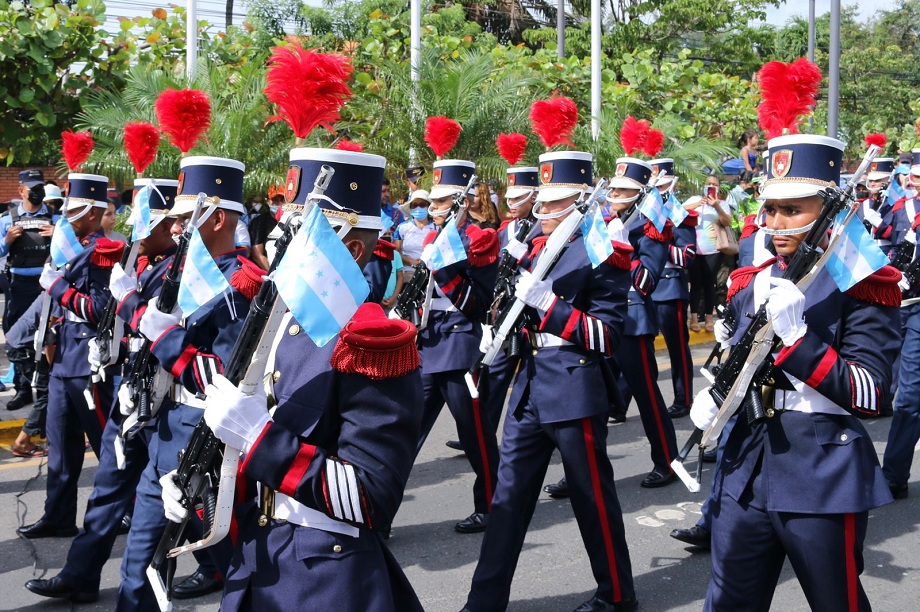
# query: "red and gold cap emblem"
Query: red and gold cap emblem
{"points": [[546, 173], [782, 163], [181, 182], [511, 180], [621, 170], [436, 176], [292, 183]]}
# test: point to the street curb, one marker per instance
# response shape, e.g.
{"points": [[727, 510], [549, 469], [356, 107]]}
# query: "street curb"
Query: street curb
{"points": [[696, 338]]}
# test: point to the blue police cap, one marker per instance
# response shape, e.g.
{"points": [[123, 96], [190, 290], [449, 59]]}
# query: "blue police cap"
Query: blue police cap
{"points": [[564, 174], [630, 173], [522, 181], [87, 190], [214, 176], [801, 165], [353, 194], [32, 177]]}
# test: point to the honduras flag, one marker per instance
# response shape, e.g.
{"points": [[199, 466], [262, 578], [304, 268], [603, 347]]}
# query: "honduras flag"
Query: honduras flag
{"points": [[386, 222], [140, 215], [447, 248], [64, 243], [856, 255], [319, 280], [202, 280], [597, 240], [654, 209], [676, 211], [894, 192]]}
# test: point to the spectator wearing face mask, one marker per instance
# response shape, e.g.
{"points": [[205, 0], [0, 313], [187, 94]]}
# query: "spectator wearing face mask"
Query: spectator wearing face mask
{"points": [[410, 234]]}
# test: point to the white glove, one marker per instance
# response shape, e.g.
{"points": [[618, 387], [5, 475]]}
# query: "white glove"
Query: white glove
{"points": [[235, 418], [154, 323], [786, 308], [126, 399], [49, 275], [704, 410], [535, 292], [172, 498], [904, 284], [723, 335], [121, 283], [516, 248], [427, 254], [873, 217], [617, 231], [97, 354], [487, 337]]}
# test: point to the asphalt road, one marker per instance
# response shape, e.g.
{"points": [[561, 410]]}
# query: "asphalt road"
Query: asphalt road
{"points": [[553, 572]]}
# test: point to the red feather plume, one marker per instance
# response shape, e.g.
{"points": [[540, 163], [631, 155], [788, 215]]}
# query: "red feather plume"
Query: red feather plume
{"points": [[185, 115], [309, 87], [347, 145], [511, 147], [76, 147], [878, 138], [554, 120], [441, 134], [787, 91], [653, 143], [141, 143], [634, 135]]}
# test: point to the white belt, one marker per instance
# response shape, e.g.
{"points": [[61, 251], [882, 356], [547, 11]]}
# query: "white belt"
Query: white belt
{"points": [[883, 242], [135, 344], [73, 318], [292, 511], [180, 395], [442, 303], [544, 340], [805, 399]]}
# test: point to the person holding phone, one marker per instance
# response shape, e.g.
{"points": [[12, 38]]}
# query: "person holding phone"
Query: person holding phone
{"points": [[712, 210]]}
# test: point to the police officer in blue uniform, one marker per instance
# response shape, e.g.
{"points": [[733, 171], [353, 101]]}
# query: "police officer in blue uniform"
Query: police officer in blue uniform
{"points": [[325, 472], [672, 295], [800, 482], [114, 485], [449, 343], [27, 230], [634, 355], [192, 349], [81, 288], [558, 401]]}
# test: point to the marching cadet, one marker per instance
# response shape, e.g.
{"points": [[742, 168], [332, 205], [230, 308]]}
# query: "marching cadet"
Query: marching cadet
{"points": [[800, 482], [81, 288], [114, 486], [332, 459], [27, 230], [672, 295], [877, 210], [192, 352], [634, 355], [449, 343], [558, 401]]}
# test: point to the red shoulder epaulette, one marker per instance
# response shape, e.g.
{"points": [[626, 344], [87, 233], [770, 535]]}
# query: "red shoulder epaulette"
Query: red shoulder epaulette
{"points": [[384, 249], [916, 222], [429, 238], [248, 279], [749, 227], [622, 255], [879, 288], [484, 246], [142, 262], [742, 277], [372, 345], [504, 224], [899, 204], [663, 236], [106, 253], [692, 219]]}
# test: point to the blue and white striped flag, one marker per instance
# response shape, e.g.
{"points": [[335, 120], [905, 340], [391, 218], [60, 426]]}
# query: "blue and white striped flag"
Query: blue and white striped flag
{"points": [[654, 209], [447, 248], [64, 243], [140, 215], [894, 192], [386, 222], [597, 240], [856, 255], [676, 211], [202, 280], [319, 280]]}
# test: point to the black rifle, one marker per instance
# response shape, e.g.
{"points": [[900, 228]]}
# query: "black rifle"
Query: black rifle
{"points": [[144, 367], [903, 255], [504, 284], [202, 464], [738, 381]]}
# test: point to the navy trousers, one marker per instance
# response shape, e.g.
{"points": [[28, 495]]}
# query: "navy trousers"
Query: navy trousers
{"points": [[634, 357], [494, 384], [112, 498], [527, 446], [672, 318], [905, 425], [69, 417], [474, 427]]}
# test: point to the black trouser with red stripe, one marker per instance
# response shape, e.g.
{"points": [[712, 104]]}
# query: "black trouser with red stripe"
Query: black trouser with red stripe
{"points": [[750, 544], [474, 428], [527, 445], [634, 357], [672, 318]]}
